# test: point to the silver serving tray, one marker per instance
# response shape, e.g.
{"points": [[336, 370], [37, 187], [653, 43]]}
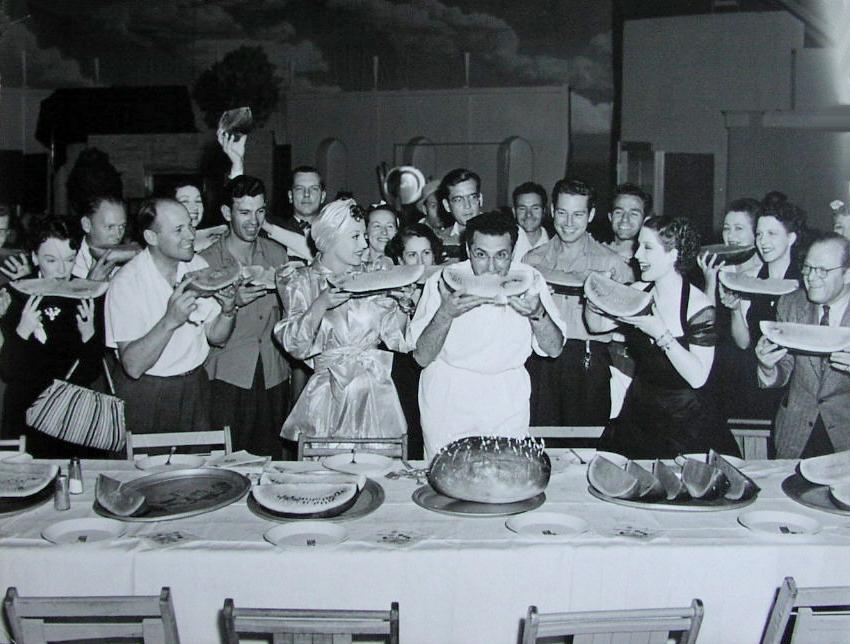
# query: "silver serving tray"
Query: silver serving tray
{"points": [[12, 505], [811, 495], [687, 505], [428, 498], [369, 500], [183, 493]]}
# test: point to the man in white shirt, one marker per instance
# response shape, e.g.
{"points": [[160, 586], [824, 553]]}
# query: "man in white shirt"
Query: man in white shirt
{"points": [[814, 417], [529, 209], [162, 329], [473, 351], [104, 223]]}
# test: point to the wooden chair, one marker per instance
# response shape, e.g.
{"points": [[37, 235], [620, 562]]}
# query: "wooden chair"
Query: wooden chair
{"points": [[211, 438], [752, 435], [293, 626], [577, 431], [38, 620], [319, 446], [644, 626], [18, 444], [820, 615]]}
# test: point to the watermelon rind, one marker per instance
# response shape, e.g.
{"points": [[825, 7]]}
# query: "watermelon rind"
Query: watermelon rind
{"points": [[307, 500], [704, 481], [516, 282], [651, 488], [569, 279], [490, 469], [214, 278], [830, 469], [618, 300], [367, 282], [674, 489], [741, 283], [808, 338], [729, 254], [840, 495], [77, 289], [120, 502], [119, 254], [18, 480], [612, 480], [741, 486]]}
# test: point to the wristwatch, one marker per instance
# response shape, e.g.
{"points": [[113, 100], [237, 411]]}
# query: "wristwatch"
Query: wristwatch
{"points": [[538, 317]]}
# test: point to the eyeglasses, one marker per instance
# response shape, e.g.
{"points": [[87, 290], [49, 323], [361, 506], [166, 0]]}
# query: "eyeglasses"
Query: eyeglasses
{"points": [[818, 271], [465, 200]]}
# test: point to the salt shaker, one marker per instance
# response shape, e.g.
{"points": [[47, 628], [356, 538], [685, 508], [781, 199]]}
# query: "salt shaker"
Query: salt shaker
{"points": [[61, 498], [75, 476]]}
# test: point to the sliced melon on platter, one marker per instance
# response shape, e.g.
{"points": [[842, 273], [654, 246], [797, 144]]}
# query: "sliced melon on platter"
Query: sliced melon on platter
{"points": [[809, 338], [651, 489], [213, 279], [516, 282], [703, 480], [741, 486], [831, 469], [728, 253], [612, 480], [840, 495], [25, 479], [112, 496], [316, 476], [396, 277], [307, 500], [53, 287], [669, 477], [741, 283], [618, 300]]}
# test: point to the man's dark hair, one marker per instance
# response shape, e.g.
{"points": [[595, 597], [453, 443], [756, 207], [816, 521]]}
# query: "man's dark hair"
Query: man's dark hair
{"points": [[456, 176], [495, 223], [570, 186], [147, 213], [635, 191], [48, 226], [834, 238], [528, 188], [89, 206], [242, 186], [306, 169]]}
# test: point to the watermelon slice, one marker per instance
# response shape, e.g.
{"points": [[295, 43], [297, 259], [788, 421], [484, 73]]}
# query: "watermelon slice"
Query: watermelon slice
{"points": [[614, 298], [808, 338], [25, 479], [729, 254], [651, 489], [673, 487], [566, 283], [237, 122], [120, 254], [74, 288], [307, 500], [704, 481], [840, 495], [831, 469], [741, 283], [741, 486], [259, 276], [122, 503], [206, 237], [611, 480], [516, 282], [374, 281], [214, 279], [327, 477]]}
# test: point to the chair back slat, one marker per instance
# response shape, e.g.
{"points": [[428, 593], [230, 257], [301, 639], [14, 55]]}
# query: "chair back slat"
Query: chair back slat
{"points": [[321, 446], [567, 431], [752, 435], [821, 615], [821, 628], [18, 444], [212, 438]]}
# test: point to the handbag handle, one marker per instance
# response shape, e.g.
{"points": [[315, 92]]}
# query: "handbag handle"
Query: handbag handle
{"points": [[105, 372]]}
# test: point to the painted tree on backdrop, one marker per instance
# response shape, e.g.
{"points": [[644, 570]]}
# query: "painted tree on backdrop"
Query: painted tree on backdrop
{"points": [[245, 76]]}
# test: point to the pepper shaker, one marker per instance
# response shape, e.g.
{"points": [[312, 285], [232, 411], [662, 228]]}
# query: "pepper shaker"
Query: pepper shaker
{"points": [[61, 498], [75, 476]]}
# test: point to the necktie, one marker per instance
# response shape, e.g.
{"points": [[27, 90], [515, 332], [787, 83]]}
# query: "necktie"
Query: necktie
{"points": [[824, 319]]}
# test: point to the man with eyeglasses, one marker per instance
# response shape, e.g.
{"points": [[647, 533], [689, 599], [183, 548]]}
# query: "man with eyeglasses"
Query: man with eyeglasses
{"points": [[460, 192], [529, 209], [574, 389], [473, 350], [814, 417]]}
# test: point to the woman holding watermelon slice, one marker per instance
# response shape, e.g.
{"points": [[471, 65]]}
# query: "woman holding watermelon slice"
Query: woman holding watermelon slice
{"points": [[350, 393], [665, 412]]}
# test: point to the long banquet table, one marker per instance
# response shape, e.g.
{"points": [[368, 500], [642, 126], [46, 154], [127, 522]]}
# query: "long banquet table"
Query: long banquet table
{"points": [[456, 579]]}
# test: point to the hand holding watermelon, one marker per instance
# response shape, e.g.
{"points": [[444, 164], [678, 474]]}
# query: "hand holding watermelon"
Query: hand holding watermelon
{"points": [[181, 304], [729, 299], [652, 325], [768, 353], [527, 305], [840, 360], [456, 303], [330, 298]]}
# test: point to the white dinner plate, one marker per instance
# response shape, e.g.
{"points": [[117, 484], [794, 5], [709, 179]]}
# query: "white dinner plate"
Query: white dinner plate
{"points": [[364, 463], [779, 524], [178, 462], [15, 457], [306, 534], [86, 530], [546, 524]]}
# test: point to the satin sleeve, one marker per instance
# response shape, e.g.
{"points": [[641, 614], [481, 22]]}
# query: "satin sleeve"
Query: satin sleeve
{"points": [[394, 325], [702, 327], [299, 328]]}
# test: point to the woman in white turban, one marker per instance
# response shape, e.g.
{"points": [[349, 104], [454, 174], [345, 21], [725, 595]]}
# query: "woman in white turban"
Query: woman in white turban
{"points": [[350, 393]]}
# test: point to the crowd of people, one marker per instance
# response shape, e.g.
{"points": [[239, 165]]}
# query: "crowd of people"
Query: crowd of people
{"points": [[426, 361]]}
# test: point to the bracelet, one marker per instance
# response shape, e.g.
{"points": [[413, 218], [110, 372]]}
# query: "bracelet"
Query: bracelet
{"points": [[539, 316]]}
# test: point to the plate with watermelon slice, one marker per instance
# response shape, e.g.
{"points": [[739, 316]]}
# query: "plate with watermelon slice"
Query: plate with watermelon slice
{"points": [[694, 486]]}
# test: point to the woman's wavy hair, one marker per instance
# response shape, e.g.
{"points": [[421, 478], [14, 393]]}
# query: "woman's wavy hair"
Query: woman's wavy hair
{"points": [[44, 227], [395, 247], [678, 233]]}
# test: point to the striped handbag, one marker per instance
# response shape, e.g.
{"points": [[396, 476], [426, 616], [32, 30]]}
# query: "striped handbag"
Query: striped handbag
{"points": [[79, 415]]}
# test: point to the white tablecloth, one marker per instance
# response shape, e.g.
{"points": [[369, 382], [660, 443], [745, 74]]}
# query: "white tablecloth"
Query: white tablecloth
{"points": [[456, 579]]}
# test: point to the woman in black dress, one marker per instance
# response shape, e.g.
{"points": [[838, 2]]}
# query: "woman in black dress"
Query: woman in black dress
{"points": [[665, 412]]}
